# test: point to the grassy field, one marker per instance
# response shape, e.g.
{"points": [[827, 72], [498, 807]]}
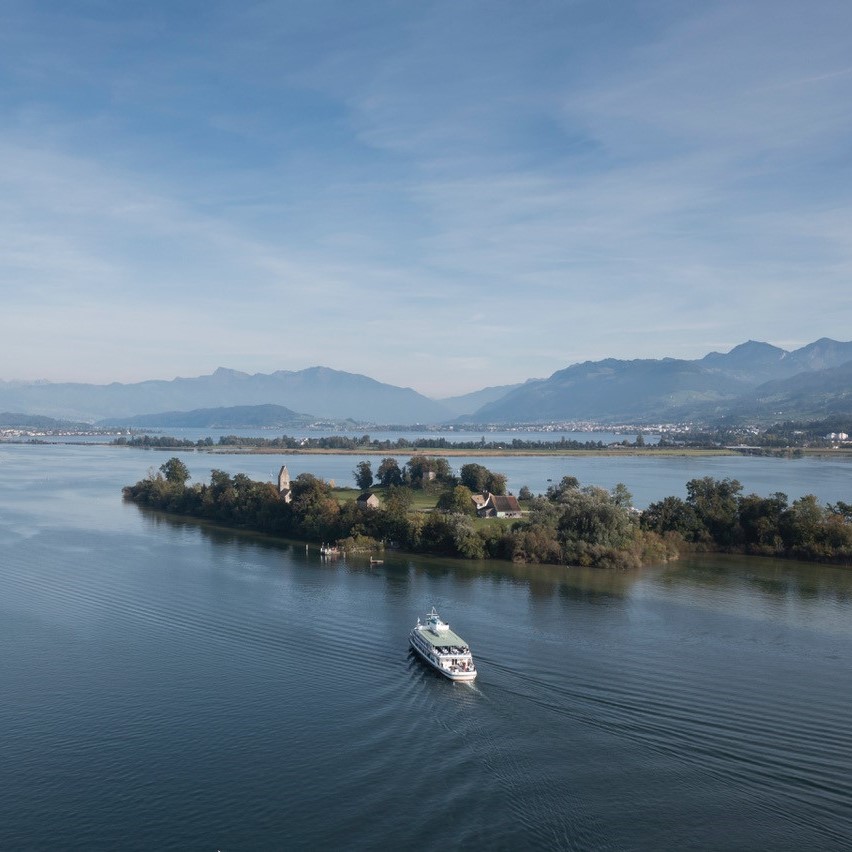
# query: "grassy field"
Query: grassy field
{"points": [[424, 501]]}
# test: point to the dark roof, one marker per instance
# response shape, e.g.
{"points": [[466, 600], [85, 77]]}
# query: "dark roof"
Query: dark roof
{"points": [[363, 498]]}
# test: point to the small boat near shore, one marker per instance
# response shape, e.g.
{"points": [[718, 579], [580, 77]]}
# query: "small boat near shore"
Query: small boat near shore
{"points": [[441, 648]]}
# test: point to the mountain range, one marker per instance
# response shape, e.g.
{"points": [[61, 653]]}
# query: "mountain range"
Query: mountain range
{"points": [[320, 391], [753, 380], [672, 389], [231, 417]]}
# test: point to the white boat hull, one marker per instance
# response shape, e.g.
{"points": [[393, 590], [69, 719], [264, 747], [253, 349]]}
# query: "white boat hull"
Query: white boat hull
{"points": [[461, 676]]}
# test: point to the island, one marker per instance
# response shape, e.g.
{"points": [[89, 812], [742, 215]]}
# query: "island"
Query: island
{"points": [[422, 507]]}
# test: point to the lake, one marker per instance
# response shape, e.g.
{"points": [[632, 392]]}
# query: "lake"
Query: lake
{"points": [[648, 478], [171, 685]]}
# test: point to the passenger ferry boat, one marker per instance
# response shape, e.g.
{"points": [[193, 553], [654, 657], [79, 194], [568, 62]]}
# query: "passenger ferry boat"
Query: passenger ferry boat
{"points": [[442, 649]]}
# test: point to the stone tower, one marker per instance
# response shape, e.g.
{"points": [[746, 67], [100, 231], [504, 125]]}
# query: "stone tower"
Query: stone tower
{"points": [[284, 484]]}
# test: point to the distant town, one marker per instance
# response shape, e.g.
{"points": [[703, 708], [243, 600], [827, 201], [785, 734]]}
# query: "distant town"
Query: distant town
{"points": [[820, 435]]}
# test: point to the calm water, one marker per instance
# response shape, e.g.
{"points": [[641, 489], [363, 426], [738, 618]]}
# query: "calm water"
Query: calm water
{"points": [[492, 436], [170, 686], [647, 478]]}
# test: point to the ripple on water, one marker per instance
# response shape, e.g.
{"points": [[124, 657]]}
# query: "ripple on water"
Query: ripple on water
{"points": [[189, 689]]}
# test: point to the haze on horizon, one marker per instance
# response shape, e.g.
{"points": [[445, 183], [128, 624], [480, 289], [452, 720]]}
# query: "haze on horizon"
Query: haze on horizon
{"points": [[442, 195]]}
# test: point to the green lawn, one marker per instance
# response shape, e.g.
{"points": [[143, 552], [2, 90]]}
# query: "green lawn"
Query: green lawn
{"points": [[423, 500], [502, 523], [346, 495]]}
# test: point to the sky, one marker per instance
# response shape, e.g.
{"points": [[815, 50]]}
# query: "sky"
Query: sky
{"points": [[440, 195]]}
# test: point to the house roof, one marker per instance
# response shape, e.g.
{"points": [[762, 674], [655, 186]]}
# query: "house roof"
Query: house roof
{"points": [[505, 503]]}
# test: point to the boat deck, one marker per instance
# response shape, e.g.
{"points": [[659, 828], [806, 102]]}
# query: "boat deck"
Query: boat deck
{"points": [[447, 639]]}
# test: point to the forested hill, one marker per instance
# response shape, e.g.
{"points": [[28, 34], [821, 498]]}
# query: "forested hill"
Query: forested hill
{"points": [[13, 420], [671, 389], [812, 395], [234, 417]]}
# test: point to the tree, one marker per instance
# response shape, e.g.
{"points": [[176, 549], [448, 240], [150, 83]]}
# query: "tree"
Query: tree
{"points": [[621, 496], [398, 525], [496, 483], [480, 479], [592, 516], [423, 470], [841, 509], [389, 473], [220, 496], [802, 525], [363, 475], [715, 503], [175, 471], [398, 501], [459, 501], [315, 510], [671, 514], [453, 535], [760, 519], [474, 476], [525, 493], [533, 543], [566, 484]]}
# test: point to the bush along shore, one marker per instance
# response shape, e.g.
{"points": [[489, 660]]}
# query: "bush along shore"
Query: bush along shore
{"points": [[423, 508]]}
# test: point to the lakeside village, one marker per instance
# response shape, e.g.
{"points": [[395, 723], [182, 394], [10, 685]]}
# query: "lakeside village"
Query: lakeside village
{"points": [[831, 433], [19, 434], [422, 507]]}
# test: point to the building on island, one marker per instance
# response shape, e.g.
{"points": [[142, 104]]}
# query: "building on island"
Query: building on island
{"points": [[367, 501], [490, 505], [479, 500], [284, 491]]}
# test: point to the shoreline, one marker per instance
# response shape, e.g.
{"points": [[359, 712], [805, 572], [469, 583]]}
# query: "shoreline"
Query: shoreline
{"points": [[449, 451], [605, 452], [532, 570], [475, 452], [492, 453]]}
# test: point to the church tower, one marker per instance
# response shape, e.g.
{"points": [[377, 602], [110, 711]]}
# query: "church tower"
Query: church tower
{"points": [[284, 484]]}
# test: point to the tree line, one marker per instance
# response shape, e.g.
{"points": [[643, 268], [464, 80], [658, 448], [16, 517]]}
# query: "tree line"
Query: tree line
{"points": [[364, 442], [716, 515], [570, 524], [429, 471]]}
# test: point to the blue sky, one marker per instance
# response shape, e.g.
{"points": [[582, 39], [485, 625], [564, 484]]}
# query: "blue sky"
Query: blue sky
{"points": [[442, 195]]}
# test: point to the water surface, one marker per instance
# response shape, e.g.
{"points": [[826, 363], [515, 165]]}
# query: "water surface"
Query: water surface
{"points": [[170, 685]]}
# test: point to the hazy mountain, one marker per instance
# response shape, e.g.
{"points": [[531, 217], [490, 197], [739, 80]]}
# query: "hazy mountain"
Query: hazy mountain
{"points": [[813, 395], [323, 392], [822, 354], [653, 390], [234, 417], [469, 402], [611, 390], [752, 361], [762, 362], [10, 420]]}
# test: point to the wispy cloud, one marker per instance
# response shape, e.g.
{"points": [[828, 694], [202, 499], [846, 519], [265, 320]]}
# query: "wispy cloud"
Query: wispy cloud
{"points": [[439, 193]]}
